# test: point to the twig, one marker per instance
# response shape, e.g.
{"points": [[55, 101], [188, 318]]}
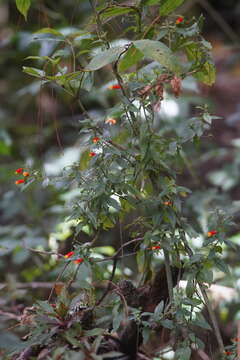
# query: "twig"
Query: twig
{"points": [[169, 275], [57, 280], [213, 318], [41, 251], [207, 302]]}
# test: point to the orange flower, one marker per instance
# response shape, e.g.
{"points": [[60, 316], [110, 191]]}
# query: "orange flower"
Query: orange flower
{"points": [[20, 181], [19, 171], [179, 20], [211, 233], [156, 247], [116, 86], [92, 153], [167, 203], [96, 139], [228, 352], [111, 121], [26, 173], [68, 255], [78, 261]]}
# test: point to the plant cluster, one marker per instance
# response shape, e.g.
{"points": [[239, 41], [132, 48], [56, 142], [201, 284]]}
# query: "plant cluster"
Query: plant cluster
{"points": [[129, 169]]}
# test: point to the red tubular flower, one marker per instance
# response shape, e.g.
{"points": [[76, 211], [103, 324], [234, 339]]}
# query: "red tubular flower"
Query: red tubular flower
{"points": [[167, 203], [26, 173], [78, 261], [19, 171], [228, 352], [20, 181], [96, 139], [68, 255], [156, 247], [110, 121], [179, 20], [116, 86], [92, 153], [211, 233]]}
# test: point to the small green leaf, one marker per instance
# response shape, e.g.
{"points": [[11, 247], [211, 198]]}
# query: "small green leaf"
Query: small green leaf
{"points": [[167, 324], [115, 11], [131, 58], [159, 309], [201, 322], [49, 31], [158, 51], [169, 6], [33, 71], [104, 58], [183, 353], [94, 332], [23, 7], [221, 265]]}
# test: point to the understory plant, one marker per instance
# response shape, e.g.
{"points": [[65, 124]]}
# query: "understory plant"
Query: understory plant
{"points": [[143, 54]]}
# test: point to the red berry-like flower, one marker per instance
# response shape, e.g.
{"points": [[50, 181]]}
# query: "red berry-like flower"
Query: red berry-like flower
{"points": [[116, 86], [78, 261], [179, 20], [228, 352], [26, 173], [211, 233], [92, 153], [19, 171], [68, 255], [96, 139], [20, 181]]}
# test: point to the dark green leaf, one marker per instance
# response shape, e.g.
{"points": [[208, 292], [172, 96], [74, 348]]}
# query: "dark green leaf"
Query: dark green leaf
{"points": [[169, 6], [115, 11]]}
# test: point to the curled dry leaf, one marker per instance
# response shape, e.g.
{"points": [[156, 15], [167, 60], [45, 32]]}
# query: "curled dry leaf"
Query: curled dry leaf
{"points": [[176, 84]]}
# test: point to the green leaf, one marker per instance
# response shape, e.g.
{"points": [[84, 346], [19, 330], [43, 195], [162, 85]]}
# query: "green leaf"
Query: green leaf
{"points": [[150, 2], [159, 309], [23, 7], [183, 353], [94, 332], [158, 51], [49, 31], [169, 6], [115, 11], [167, 324], [201, 322], [205, 275], [221, 265], [104, 58], [200, 55], [33, 71], [190, 288], [131, 58]]}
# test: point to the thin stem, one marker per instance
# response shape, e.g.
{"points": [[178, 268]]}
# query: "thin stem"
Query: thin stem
{"points": [[213, 318], [169, 275]]}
